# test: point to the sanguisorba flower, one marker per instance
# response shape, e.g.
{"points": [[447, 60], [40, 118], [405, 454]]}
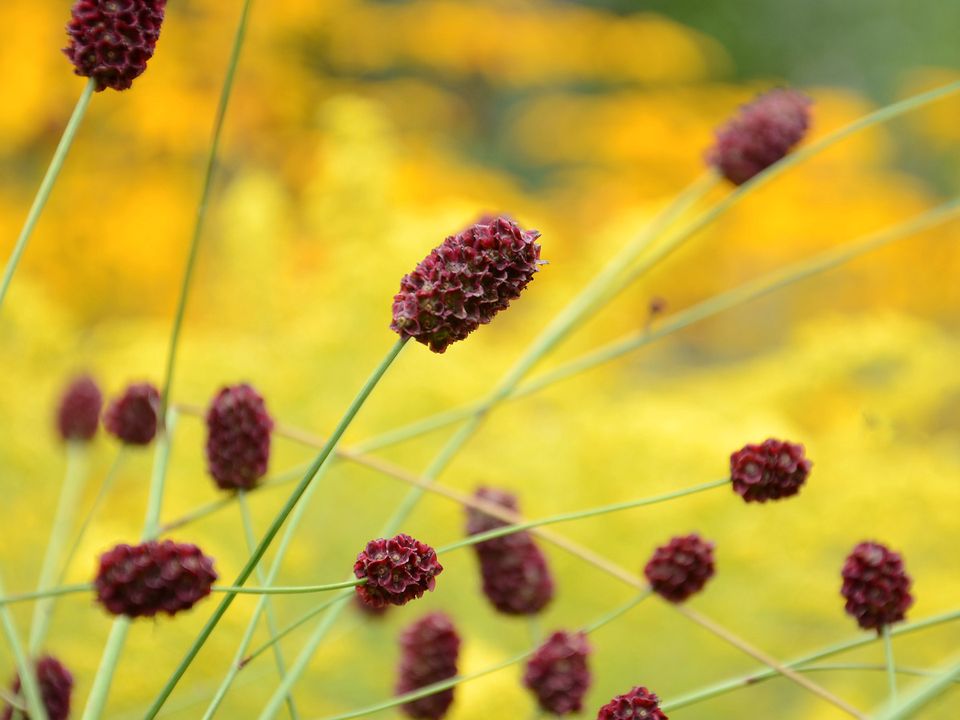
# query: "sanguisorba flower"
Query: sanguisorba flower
{"points": [[56, 685], [680, 568], [465, 281], [396, 571], [763, 133], [112, 40], [876, 586], [557, 673], [78, 414], [152, 577], [132, 417], [638, 704], [428, 655], [238, 437], [773, 470], [514, 571]]}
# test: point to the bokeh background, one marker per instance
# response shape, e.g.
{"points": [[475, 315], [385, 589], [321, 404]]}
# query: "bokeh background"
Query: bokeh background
{"points": [[360, 134]]}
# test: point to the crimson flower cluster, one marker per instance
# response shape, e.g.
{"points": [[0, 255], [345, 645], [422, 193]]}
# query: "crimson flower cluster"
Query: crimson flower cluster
{"points": [[876, 586], [638, 704], [464, 282], [557, 673], [238, 438], [55, 683], [428, 655], [155, 576], [772, 470], [396, 571], [680, 568], [132, 418], [516, 578], [78, 415]]}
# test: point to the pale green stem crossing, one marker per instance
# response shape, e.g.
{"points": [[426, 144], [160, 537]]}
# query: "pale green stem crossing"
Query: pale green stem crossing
{"points": [[25, 668], [70, 493], [46, 186], [911, 705], [891, 663]]}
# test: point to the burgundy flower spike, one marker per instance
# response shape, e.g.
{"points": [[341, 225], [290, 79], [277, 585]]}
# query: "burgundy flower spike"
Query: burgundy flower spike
{"points": [[429, 651], [464, 282], [56, 684], [396, 571], [638, 704], [771, 471], [79, 413], [558, 674], [112, 40], [764, 132], [132, 417], [680, 568], [516, 578], [155, 576], [238, 438], [875, 586]]}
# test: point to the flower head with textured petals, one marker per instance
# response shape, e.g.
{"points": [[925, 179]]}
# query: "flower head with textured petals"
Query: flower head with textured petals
{"points": [[876, 586], [56, 685], [429, 649], [132, 417], [680, 568], [557, 673], [772, 470], [396, 571], [638, 704]]}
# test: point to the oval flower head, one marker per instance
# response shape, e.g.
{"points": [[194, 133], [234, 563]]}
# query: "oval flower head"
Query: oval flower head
{"points": [[638, 704], [132, 417], [396, 571], [464, 282], [238, 438], [78, 415], [428, 655], [680, 568], [876, 586], [55, 683], [112, 40], [772, 470], [557, 673]]}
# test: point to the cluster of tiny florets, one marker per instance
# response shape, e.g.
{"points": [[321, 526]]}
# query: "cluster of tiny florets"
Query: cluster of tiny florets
{"points": [[638, 704], [763, 133], [396, 571], [680, 568], [875, 586], [557, 673], [516, 578], [238, 438], [132, 417], [464, 282], [155, 576], [55, 684], [772, 470], [112, 40], [78, 414], [428, 655]]}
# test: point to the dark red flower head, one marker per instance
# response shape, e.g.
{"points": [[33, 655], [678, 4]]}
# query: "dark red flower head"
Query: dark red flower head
{"points": [[238, 438], [763, 133], [464, 282], [557, 673], [516, 578], [132, 417], [396, 571], [155, 576], [428, 655], [680, 568], [876, 586], [112, 40], [56, 684], [79, 413], [776, 469], [638, 704]]}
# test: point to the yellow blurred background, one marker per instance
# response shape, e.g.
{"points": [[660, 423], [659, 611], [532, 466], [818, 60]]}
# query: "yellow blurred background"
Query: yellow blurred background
{"points": [[359, 135]]}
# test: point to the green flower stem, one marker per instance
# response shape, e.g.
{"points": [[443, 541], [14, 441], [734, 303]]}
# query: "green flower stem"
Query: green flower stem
{"points": [[274, 528], [158, 480], [226, 91], [875, 667], [287, 590], [70, 493], [891, 664], [749, 679], [293, 626], [47, 593], [46, 186], [603, 295], [97, 699], [924, 695], [454, 681], [102, 493], [25, 668], [251, 540]]}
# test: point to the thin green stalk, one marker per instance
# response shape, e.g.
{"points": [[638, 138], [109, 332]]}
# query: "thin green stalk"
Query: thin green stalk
{"points": [[891, 664], [108, 665], [102, 493], [28, 676], [158, 480], [923, 695], [251, 540], [459, 679], [275, 526], [46, 185], [285, 590], [63, 518], [225, 92], [47, 593], [862, 640], [310, 614]]}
